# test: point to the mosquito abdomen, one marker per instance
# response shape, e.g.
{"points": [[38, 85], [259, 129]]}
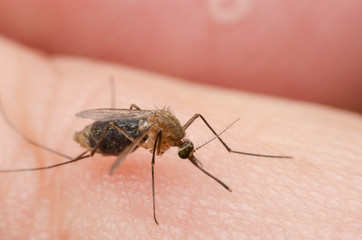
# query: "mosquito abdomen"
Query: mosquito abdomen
{"points": [[114, 141]]}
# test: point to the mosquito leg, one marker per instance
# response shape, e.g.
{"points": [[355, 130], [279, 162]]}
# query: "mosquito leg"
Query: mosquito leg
{"points": [[128, 149], [156, 145], [112, 89], [111, 124], [212, 139], [197, 115], [30, 141], [80, 157], [159, 143], [134, 106]]}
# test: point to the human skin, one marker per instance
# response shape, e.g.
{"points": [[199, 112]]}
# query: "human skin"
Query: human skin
{"points": [[315, 195], [309, 50]]}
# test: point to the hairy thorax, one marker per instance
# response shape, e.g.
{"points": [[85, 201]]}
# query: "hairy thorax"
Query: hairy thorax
{"points": [[172, 131]]}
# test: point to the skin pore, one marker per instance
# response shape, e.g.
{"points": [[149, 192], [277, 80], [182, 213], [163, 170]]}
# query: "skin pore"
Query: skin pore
{"points": [[315, 195]]}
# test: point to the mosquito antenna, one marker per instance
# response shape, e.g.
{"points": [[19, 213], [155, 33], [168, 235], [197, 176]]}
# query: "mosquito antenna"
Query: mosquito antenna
{"points": [[16, 129], [113, 91], [212, 139], [80, 157]]}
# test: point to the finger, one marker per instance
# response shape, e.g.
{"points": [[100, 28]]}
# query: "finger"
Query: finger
{"points": [[82, 200]]}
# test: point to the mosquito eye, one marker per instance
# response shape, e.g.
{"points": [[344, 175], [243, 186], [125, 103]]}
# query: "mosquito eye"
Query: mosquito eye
{"points": [[185, 151]]}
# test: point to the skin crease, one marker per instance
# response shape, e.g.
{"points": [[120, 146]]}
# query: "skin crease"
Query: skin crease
{"points": [[316, 195], [308, 50]]}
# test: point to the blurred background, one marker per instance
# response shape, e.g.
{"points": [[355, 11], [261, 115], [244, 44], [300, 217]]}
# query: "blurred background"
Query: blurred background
{"points": [[305, 50]]}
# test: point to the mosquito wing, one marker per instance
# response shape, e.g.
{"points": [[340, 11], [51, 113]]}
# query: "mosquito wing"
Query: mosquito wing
{"points": [[127, 150], [100, 114]]}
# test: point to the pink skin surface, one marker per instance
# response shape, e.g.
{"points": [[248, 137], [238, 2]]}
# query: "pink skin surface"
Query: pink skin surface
{"points": [[315, 195], [308, 50]]}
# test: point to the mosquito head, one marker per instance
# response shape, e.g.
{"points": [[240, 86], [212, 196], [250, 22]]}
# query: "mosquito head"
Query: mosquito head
{"points": [[186, 149]]}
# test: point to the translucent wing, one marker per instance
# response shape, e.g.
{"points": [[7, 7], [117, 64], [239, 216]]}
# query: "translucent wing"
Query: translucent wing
{"points": [[128, 150], [99, 114]]}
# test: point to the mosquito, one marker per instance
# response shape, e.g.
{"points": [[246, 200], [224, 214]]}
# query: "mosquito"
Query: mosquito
{"points": [[119, 132]]}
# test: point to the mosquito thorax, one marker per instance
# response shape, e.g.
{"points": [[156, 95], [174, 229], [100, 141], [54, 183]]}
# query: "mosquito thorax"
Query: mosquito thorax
{"points": [[172, 130], [186, 149]]}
